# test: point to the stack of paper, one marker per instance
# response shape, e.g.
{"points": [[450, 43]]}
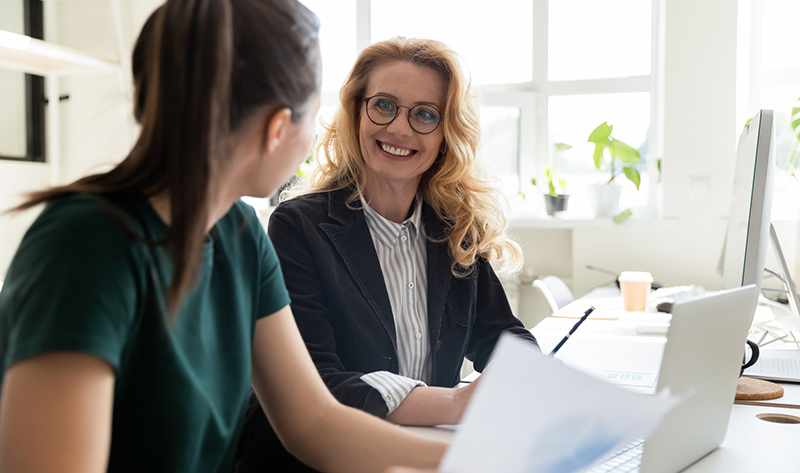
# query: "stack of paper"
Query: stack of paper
{"points": [[533, 414]]}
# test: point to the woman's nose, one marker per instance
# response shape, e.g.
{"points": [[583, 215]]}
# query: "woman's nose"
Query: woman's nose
{"points": [[400, 125]]}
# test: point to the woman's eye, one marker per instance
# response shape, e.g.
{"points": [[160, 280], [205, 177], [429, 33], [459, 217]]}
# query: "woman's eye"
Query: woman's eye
{"points": [[384, 105], [427, 115]]}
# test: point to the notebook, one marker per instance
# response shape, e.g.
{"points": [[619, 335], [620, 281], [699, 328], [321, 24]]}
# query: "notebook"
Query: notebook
{"points": [[701, 362]]}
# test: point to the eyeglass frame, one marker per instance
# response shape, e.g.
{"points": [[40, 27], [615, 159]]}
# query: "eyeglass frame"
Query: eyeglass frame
{"points": [[408, 115]]}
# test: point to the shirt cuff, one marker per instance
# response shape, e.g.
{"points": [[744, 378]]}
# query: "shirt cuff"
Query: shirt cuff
{"points": [[393, 388]]}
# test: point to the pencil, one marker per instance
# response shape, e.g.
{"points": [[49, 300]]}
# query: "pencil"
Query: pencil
{"points": [[574, 328]]}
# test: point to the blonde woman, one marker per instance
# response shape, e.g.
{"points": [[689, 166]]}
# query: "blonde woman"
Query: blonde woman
{"points": [[387, 253]]}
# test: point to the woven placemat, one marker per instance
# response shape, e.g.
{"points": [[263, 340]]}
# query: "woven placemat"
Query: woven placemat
{"points": [[751, 389]]}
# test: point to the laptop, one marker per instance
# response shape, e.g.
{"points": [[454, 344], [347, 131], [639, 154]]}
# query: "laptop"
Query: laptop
{"points": [[701, 363]]}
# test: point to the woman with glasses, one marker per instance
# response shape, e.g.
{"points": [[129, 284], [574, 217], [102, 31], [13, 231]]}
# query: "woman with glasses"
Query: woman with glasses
{"points": [[387, 253]]}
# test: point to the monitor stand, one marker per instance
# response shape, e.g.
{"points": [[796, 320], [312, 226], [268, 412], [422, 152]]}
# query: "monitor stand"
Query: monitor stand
{"points": [[791, 292], [778, 365]]}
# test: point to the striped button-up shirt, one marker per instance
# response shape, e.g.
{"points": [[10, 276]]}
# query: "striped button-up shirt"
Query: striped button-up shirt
{"points": [[403, 256]]}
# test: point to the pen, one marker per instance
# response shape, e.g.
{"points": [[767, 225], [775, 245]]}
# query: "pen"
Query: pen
{"points": [[574, 328]]}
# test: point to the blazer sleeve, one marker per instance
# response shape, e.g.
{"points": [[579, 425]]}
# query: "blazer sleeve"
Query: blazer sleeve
{"points": [[297, 240], [493, 317]]}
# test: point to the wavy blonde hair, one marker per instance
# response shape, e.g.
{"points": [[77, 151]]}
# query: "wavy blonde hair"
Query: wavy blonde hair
{"points": [[454, 186]]}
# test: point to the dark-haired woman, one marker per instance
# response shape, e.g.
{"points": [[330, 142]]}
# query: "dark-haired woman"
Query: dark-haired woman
{"points": [[142, 302]]}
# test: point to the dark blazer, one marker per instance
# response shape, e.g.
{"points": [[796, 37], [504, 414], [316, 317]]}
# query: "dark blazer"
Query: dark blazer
{"points": [[342, 308]]}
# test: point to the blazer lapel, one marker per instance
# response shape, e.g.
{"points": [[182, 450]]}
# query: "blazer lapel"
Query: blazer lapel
{"points": [[352, 239], [439, 276]]}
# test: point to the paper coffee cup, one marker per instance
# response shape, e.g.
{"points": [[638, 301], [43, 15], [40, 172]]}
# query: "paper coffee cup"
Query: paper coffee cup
{"points": [[635, 285]]}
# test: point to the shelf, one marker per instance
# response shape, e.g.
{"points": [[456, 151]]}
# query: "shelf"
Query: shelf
{"points": [[570, 224], [34, 56]]}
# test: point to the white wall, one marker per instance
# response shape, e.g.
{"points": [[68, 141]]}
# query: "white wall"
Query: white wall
{"points": [[96, 124]]}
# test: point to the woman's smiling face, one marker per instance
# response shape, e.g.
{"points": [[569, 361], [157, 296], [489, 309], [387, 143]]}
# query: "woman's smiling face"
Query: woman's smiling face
{"points": [[395, 154]]}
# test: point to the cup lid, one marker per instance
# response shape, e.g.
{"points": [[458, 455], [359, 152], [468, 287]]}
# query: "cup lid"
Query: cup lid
{"points": [[636, 276]]}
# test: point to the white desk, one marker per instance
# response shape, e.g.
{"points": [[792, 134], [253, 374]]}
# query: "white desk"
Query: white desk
{"points": [[751, 445]]}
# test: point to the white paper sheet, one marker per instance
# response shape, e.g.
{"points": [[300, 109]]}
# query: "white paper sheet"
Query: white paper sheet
{"points": [[531, 413]]}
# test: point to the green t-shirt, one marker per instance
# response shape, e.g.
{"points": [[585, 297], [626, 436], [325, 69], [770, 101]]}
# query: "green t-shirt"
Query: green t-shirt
{"points": [[80, 282]]}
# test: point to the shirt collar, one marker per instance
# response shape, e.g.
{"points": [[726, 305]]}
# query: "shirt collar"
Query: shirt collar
{"points": [[386, 230]]}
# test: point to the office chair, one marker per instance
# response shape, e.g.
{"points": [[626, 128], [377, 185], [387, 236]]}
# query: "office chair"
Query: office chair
{"points": [[554, 291]]}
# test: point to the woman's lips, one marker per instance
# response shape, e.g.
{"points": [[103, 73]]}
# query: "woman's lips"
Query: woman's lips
{"points": [[395, 151]]}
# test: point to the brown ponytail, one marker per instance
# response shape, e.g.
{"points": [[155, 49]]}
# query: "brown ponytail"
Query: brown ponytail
{"points": [[201, 67]]}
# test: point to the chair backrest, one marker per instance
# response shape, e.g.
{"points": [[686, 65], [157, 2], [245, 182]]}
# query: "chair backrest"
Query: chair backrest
{"points": [[555, 291]]}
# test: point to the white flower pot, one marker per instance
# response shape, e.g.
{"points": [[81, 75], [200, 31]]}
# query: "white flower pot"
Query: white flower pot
{"points": [[605, 199]]}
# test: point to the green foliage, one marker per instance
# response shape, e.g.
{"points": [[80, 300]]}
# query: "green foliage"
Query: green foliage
{"points": [[623, 157], [794, 156], [552, 181], [622, 216], [307, 164]]}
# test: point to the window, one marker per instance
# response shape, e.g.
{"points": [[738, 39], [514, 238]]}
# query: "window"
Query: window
{"points": [[771, 78], [22, 95], [547, 72]]}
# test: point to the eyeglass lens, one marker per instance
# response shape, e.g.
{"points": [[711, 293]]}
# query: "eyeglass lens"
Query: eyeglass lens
{"points": [[422, 118]]}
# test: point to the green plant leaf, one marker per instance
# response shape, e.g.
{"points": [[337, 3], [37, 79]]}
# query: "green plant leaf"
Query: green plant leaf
{"points": [[622, 216], [598, 156], [745, 123], [600, 134], [633, 175], [533, 181], [522, 194], [561, 146], [658, 166], [796, 125], [562, 183], [624, 152]]}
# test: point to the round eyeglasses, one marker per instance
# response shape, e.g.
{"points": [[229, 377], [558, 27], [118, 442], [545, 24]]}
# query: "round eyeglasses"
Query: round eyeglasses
{"points": [[422, 118]]}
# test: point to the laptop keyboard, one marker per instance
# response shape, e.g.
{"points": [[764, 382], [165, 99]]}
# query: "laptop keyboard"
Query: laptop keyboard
{"points": [[627, 459]]}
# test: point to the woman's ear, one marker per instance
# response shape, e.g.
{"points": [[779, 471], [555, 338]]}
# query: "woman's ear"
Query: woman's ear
{"points": [[274, 129]]}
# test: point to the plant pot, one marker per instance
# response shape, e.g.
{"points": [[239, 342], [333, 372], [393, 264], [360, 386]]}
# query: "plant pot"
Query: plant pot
{"points": [[555, 203], [605, 199]]}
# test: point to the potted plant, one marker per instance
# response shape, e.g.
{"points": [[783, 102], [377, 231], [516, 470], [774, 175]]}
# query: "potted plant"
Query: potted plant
{"points": [[621, 159], [556, 198]]}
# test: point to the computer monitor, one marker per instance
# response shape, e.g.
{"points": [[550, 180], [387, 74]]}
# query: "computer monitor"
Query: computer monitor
{"points": [[749, 223]]}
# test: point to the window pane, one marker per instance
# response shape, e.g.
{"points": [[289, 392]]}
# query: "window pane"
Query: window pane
{"points": [[781, 99], [12, 16], [786, 189], [780, 34], [337, 36], [479, 31], [13, 119], [572, 118], [499, 152], [598, 39]]}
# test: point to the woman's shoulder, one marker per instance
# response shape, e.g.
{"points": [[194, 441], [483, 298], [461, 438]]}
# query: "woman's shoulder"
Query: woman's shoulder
{"points": [[311, 205], [84, 213]]}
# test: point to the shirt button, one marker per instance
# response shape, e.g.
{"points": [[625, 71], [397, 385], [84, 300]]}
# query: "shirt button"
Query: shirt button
{"points": [[418, 335], [411, 285], [389, 398], [403, 238]]}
